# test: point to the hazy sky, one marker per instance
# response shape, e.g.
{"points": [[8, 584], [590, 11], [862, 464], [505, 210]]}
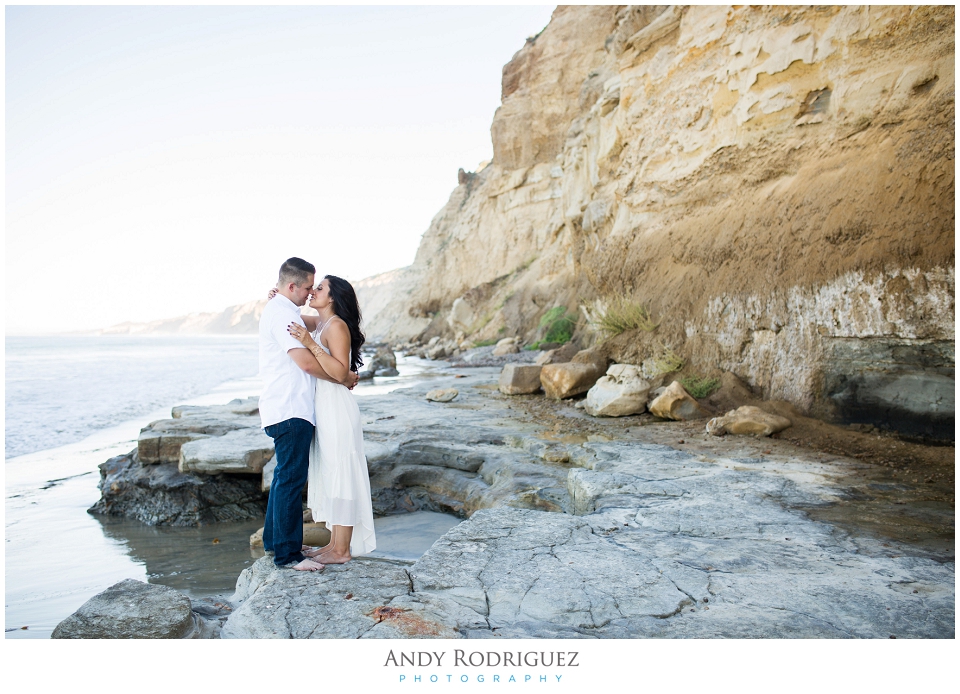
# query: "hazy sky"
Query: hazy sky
{"points": [[166, 160]]}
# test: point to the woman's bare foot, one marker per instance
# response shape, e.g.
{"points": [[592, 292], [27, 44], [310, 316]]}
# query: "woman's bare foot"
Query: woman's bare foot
{"points": [[314, 552], [308, 565], [332, 557]]}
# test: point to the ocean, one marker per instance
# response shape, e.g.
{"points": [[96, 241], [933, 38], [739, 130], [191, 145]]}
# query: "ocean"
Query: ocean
{"points": [[73, 402], [60, 389]]}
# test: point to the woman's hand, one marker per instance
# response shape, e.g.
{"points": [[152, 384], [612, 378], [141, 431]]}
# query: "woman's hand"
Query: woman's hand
{"points": [[298, 332], [272, 293]]}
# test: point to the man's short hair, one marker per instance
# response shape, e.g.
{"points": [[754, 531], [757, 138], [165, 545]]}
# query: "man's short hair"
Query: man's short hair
{"points": [[296, 270]]}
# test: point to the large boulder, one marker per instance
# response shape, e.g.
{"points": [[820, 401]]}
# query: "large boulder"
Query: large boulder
{"points": [[383, 363], [507, 345], [747, 420], [246, 450], [438, 351], [559, 355], [677, 404], [461, 315], [621, 392], [131, 610], [590, 356], [519, 379], [566, 380], [314, 534], [383, 359]]}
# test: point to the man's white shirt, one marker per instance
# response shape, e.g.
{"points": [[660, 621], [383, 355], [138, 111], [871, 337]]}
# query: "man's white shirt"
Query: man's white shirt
{"points": [[288, 391]]}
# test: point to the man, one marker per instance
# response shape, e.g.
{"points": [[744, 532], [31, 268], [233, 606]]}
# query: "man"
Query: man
{"points": [[288, 371]]}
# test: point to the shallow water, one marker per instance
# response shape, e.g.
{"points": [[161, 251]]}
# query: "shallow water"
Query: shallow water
{"points": [[52, 528], [57, 556], [407, 536]]}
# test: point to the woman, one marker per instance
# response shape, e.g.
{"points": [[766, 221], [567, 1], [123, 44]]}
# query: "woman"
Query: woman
{"points": [[338, 484]]}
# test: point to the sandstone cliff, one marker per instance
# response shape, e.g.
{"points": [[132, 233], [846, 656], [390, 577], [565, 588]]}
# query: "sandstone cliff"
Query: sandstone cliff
{"points": [[775, 185]]}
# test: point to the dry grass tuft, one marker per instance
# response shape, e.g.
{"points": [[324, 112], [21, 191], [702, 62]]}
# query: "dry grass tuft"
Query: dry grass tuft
{"points": [[619, 314], [667, 361]]}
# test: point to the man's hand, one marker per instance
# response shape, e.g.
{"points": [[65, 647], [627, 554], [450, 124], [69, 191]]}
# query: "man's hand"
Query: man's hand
{"points": [[351, 380]]}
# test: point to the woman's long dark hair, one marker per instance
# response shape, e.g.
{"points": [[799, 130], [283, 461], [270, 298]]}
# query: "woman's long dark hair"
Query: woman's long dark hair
{"points": [[346, 306]]}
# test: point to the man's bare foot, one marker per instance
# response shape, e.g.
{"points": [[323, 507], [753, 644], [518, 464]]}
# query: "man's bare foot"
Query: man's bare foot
{"points": [[332, 557], [308, 565]]}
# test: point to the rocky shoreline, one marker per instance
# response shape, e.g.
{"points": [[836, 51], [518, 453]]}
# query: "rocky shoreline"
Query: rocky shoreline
{"points": [[204, 465], [759, 198], [585, 527]]}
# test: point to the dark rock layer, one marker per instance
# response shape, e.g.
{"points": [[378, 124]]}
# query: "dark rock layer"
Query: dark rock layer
{"points": [[162, 495], [900, 385]]}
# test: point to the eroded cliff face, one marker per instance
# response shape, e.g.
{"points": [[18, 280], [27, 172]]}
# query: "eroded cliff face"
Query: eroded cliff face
{"points": [[775, 185]]}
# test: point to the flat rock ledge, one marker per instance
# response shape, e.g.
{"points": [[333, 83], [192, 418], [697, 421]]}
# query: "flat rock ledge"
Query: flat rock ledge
{"points": [[672, 566], [241, 451]]}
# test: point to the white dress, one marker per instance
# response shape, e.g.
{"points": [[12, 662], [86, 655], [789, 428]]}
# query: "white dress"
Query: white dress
{"points": [[338, 483]]}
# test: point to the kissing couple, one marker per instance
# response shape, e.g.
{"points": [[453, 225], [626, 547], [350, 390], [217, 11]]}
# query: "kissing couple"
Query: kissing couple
{"points": [[309, 365]]}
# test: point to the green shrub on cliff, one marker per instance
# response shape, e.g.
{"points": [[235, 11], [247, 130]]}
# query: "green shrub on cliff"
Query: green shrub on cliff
{"points": [[700, 386], [552, 315], [558, 326]]}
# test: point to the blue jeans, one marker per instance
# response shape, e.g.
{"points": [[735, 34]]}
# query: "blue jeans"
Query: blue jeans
{"points": [[283, 526]]}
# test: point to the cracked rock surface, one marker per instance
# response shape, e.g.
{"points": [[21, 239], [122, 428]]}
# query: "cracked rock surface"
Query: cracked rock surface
{"points": [[622, 538], [531, 574]]}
